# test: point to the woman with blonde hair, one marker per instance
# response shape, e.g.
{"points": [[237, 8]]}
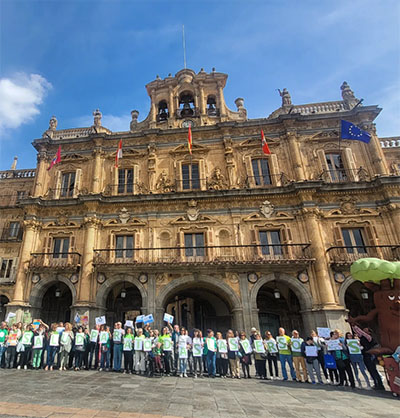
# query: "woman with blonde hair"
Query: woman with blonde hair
{"points": [[67, 338]]}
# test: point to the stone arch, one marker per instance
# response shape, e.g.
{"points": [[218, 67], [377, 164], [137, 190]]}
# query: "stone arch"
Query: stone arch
{"points": [[301, 292], [343, 289], [39, 290], [105, 288], [206, 282]]}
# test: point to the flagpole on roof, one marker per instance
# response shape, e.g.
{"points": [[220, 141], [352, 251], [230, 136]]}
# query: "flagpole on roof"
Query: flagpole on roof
{"points": [[184, 46]]}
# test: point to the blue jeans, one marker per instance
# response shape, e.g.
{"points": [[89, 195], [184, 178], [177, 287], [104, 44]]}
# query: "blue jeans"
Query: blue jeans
{"points": [[3, 349], [287, 358], [51, 354], [211, 363], [117, 356], [183, 365], [105, 359]]}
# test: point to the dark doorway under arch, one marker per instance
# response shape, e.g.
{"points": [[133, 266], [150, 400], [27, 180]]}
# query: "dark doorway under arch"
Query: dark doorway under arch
{"points": [[3, 302], [119, 308], [56, 304], [201, 308], [276, 312]]}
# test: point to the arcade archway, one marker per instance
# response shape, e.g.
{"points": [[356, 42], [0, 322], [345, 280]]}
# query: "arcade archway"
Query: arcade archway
{"points": [[124, 302], [56, 304]]}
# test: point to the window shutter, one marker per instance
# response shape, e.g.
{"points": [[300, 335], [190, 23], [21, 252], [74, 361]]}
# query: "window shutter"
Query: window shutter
{"points": [[179, 244], [135, 178], [274, 170], [137, 253], [14, 269], [323, 165], [178, 173], [371, 239], [111, 247], [72, 244], [57, 191], [338, 237], [114, 186], [350, 164], [209, 236], [255, 251], [48, 249], [78, 180], [249, 171], [202, 175], [286, 238]]}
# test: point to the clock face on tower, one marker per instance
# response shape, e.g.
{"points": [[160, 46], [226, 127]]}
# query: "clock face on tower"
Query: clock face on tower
{"points": [[188, 122]]}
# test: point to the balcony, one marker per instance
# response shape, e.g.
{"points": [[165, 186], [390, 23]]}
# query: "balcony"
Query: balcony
{"points": [[271, 180], [226, 255], [17, 174], [346, 255], [344, 175], [11, 235], [69, 261]]}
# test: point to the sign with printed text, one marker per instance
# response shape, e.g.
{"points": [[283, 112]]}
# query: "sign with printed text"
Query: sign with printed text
{"points": [[139, 318], [55, 340], [104, 337], [100, 320], [222, 346], [138, 344], [79, 338], [354, 346], [27, 338], [197, 349], [333, 345], [129, 324], [272, 348], [148, 319], [117, 335], [128, 344], [65, 338], [167, 344], [94, 333], [210, 344], [233, 344], [168, 318], [282, 343], [246, 346], [324, 332], [296, 344], [10, 316], [311, 351], [183, 352], [259, 346], [38, 341], [147, 343], [60, 329]]}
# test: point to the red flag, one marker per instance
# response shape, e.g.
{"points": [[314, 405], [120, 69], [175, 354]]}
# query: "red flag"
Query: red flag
{"points": [[190, 140], [119, 153], [56, 159], [265, 146]]}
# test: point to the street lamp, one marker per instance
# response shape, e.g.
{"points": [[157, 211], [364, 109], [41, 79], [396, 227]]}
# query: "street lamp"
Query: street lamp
{"points": [[277, 293], [364, 294], [123, 292], [58, 292]]}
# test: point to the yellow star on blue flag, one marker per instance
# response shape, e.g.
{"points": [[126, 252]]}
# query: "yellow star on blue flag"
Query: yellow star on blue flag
{"points": [[351, 131]]}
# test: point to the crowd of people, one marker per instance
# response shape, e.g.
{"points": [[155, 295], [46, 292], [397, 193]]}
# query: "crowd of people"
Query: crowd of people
{"points": [[176, 351]]}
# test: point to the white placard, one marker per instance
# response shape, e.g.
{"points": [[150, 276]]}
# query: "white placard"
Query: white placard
{"points": [[233, 344], [324, 332], [147, 344], [128, 324], [246, 346], [222, 346], [117, 335], [55, 340], [167, 344], [311, 351], [271, 346], [210, 344], [138, 344], [259, 346], [333, 345], [282, 343], [94, 333], [296, 344], [60, 329], [104, 336], [10, 315], [65, 337], [128, 344], [27, 338], [354, 346], [79, 339], [38, 341], [168, 318], [183, 352], [100, 320]]}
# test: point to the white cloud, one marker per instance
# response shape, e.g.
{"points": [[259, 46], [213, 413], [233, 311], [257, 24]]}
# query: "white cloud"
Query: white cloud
{"points": [[20, 98]]}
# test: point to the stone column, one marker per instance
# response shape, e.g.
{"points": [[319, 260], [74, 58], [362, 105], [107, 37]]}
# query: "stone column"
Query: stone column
{"points": [[96, 184], [245, 299], [376, 151], [201, 104], [40, 173], [295, 155], [324, 284], [395, 214], [171, 105], [221, 100], [84, 298], [31, 229]]}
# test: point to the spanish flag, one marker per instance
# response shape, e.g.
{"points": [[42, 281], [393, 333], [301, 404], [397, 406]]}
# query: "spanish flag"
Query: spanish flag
{"points": [[190, 140], [265, 146], [119, 153], [56, 159]]}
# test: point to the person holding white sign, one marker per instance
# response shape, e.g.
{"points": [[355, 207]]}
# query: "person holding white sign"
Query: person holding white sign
{"points": [[321, 346], [197, 352], [67, 337], [140, 355], [298, 359], [260, 356], [94, 347], [27, 341], [341, 355], [53, 346], [184, 344], [128, 350], [12, 341], [233, 350], [210, 348], [105, 342], [272, 355], [117, 339], [285, 354], [38, 345], [310, 352], [80, 345], [356, 359], [245, 354], [221, 361], [166, 346]]}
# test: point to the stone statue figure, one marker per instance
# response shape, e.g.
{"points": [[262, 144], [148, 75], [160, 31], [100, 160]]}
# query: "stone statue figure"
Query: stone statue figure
{"points": [[286, 99], [53, 123], [164, 184], [217, 180], [97, 117], [348, 96], [134, 121]]}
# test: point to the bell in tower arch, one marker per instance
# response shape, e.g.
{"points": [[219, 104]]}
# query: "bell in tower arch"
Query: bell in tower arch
{"points": [[186, 101]]}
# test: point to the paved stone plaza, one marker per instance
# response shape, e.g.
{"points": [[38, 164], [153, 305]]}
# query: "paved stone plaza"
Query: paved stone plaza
{"points": [[91, 394]]}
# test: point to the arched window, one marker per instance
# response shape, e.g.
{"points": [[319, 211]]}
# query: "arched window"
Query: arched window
{"points": [[163, 113], [186, 104]]}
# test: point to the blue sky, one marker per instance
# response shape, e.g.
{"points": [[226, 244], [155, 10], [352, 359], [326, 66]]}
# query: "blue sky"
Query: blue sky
{"points": [[68, 58]]}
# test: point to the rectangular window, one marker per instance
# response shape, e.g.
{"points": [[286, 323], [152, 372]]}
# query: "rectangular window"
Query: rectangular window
{"points": [[6, 266], [190, 177], [125, 180], [353, 238], [335, 167], [270, 243], [67, 184], [20, 194], [261, 172], [13, 229], [124, 246], [194, 245], [60, 247]]}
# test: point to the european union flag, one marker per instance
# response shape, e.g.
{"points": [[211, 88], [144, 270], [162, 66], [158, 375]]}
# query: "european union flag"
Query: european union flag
{"points": [[351, 131]]}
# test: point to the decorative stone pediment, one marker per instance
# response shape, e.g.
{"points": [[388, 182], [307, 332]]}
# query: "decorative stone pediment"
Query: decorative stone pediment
{"points": [[127, 221], [127, 153], [196, 150], [74, 157], [326, 135], [255, 143]]}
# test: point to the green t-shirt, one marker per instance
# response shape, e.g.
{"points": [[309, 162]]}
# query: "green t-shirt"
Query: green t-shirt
{"points": [[284, 348], [3, 335]]}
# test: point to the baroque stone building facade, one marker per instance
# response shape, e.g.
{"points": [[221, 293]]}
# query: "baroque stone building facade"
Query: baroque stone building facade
{"points": [[225, 237]]}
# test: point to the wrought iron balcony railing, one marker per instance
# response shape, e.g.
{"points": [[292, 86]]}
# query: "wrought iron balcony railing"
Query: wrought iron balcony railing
{"points": [[11, 234], [214, 255], [62, 261], [343, 255], [270, 180], [64, 193], [17, 174], [345, 175]]}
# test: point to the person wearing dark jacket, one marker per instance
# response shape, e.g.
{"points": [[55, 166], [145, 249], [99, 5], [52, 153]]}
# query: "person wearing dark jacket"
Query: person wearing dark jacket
{"points": [[309, 350]]}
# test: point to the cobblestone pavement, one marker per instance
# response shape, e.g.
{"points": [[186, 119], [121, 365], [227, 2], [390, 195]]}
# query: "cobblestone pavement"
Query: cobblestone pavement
{"points": [[94, 394]]}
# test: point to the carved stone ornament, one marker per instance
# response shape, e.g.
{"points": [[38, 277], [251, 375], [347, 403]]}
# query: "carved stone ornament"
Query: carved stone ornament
{"points": [[192, 212], [217, 180], [35, 278], [161, 278], [267, 208], [101, 278], [74, 278], [124, 216], [164, 184], [348, 205], [62, 218]]}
